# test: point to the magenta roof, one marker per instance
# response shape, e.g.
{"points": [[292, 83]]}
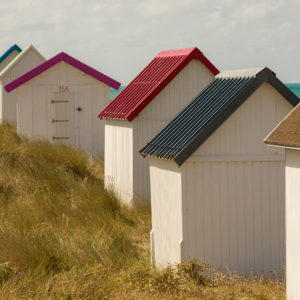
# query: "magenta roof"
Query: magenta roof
{"points": [[69, 60], [151, 81]]}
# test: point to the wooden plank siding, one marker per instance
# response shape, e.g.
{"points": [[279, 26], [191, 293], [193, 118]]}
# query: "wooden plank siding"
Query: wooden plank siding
{"points": [[89, 94], [118, 160], [292, 223], [232, 191], [159, 112], [167, 229], [29, 60]]}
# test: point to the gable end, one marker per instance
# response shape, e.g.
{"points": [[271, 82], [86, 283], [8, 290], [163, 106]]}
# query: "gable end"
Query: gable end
{"points": [[266, 75]]}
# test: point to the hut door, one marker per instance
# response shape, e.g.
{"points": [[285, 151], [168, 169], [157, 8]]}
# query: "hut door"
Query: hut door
{"points": [[63, 117]]}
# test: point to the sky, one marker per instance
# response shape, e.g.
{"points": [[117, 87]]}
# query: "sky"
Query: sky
{"points": [[119, 38]]}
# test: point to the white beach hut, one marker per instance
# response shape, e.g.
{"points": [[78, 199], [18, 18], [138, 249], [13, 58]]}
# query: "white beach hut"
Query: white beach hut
{"points": [[217, 192], [143, 108], [59, 100], [15, 64], [287, 135], [9, 55]]}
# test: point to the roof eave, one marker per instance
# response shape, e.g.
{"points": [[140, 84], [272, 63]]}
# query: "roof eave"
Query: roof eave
{"points": [[55, 60], [13, 48], [282, 145], [266, 75], [15, 61], [194, 54]]}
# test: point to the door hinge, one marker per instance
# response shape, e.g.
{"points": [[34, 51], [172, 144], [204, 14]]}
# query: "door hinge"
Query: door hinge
{"points": [[59, 101], [60, 138], [56, 121]]}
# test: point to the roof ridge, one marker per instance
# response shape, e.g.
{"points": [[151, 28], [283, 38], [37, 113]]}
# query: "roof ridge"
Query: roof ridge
{"points": [[62, 56], [17, 58], [9, 51], [207, 112], [152, 79], [176, 52], [241, 73]]}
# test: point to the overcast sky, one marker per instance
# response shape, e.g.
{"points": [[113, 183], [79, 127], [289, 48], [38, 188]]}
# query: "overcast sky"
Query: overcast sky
{"points": [[120, 37]]}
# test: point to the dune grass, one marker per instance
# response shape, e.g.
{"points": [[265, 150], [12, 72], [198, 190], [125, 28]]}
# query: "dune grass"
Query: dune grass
{"points": [[62, 236]]}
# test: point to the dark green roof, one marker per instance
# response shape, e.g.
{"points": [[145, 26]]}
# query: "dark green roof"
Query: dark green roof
{"points": [[207, 111]]}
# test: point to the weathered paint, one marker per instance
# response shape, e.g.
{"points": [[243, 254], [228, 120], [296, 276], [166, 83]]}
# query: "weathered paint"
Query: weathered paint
{"points": [[17, 66], [292, 170], [35, 111], [179, 92], [232, 193]]}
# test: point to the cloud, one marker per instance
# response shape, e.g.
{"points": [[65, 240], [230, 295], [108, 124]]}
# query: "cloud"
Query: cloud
{"points": [[121, 37], [158, 7]]}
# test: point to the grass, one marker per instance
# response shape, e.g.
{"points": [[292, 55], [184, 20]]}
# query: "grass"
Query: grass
{"points": [[62, 236]]}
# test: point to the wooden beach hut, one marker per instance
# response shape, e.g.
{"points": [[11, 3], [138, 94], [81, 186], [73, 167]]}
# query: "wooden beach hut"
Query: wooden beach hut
{"points": [[59, 101], [14, 63], [142, 109], [9, 55], [217, 191], [287, 136]]}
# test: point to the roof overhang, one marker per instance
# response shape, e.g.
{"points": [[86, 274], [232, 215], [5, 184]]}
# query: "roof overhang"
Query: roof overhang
{"points": [[69, 60]]}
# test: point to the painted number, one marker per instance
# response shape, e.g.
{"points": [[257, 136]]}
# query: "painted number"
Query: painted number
{"points": [[64, 89]]}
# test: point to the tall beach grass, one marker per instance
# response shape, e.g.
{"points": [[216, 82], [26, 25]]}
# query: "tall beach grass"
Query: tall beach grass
{"points": [[62, 236]]}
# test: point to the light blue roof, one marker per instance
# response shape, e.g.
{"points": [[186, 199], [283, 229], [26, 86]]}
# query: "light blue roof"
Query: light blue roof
{"points": [[114, 93], [13, 48], [295, 88]]}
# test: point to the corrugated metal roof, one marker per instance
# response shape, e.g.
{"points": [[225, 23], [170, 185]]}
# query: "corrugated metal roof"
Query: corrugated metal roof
{"points": [[287, 133], [13, 48], [158, 73], [295, 88], [191, 127]]}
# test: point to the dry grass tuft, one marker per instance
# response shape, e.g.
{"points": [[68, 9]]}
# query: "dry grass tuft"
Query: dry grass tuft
{"points": [[62, 236]]}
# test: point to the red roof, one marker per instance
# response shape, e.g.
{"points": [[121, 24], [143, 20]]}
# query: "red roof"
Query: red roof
{"points": [[148, 84], [69, 60]]}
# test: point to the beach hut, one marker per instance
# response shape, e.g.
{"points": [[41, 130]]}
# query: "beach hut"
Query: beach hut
{"points": [[15, 63], [217, 192], [9, 55], [58, 101], [147, 104], [287, 135]]}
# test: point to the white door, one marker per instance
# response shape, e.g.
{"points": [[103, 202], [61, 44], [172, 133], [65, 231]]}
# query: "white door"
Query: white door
{"points": [[63, 118]]}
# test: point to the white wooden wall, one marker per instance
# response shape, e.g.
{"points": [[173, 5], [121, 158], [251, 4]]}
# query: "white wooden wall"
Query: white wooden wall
{"points": [[34, 101], [8, 59], [292, 224], [119, 159], [159, 112], [233, 212], [166, 209], [233, 215], [28, 61]]}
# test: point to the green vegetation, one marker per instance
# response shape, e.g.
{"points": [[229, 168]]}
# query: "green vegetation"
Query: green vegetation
{"points": [[62, 236]]}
